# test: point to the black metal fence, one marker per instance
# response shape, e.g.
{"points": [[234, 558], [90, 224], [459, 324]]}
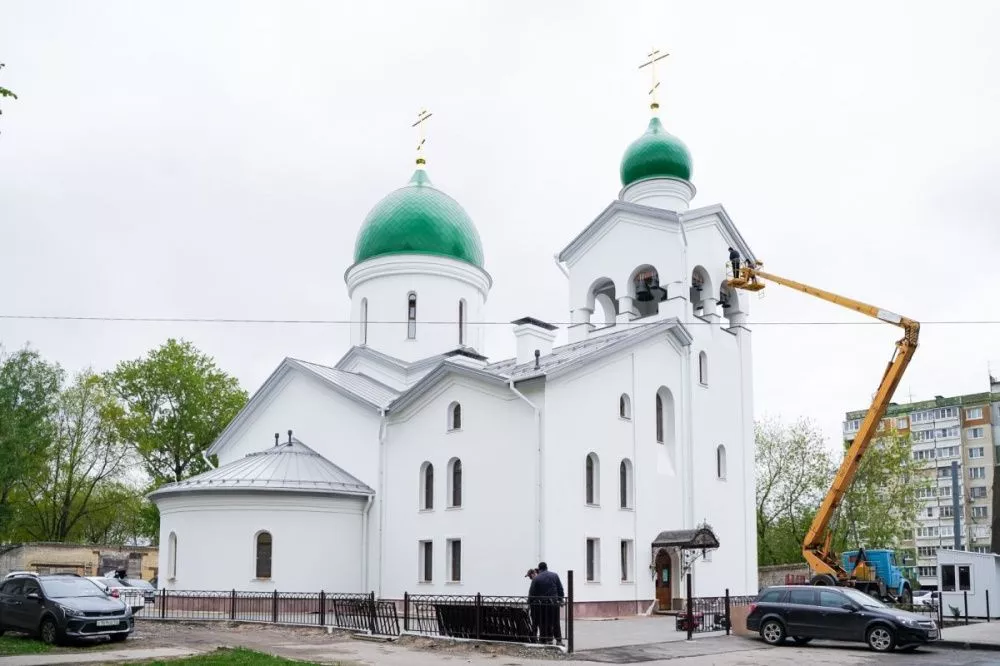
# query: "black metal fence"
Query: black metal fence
{"points": [[359, 612], [707, 614], [514, 619]]}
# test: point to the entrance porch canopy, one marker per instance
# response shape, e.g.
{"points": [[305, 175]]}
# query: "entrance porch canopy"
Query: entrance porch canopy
{"points": [[701, 538]]}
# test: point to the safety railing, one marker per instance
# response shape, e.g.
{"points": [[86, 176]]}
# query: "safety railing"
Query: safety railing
{"points": [[479, 617], [359, 612]]}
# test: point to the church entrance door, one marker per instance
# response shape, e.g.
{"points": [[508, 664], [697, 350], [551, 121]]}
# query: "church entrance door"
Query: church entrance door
{"points": [[664, 580]]}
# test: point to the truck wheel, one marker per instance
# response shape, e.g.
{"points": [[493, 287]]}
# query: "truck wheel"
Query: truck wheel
{"points": [[907, 596], [773, 632], [823, 579], [881, 638]]}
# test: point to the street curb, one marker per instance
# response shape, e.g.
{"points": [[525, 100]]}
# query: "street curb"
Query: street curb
{"points": [[966, 645]]}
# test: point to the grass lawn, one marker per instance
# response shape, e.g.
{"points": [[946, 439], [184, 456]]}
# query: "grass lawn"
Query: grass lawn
{"points": [[18, 644], [227, 657]]}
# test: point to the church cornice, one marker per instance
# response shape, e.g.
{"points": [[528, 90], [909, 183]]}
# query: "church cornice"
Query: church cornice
{"points": [[657, 218], [416, 264]]}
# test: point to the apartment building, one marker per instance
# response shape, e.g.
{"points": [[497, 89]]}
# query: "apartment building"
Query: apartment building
{"points": [[966, 429]]}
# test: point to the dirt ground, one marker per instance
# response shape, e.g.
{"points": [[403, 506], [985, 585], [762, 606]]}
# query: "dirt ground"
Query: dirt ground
{"points": [[315, 645]]}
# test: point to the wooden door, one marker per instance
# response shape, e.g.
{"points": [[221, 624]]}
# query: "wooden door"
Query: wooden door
{"points": [[663, 580]]}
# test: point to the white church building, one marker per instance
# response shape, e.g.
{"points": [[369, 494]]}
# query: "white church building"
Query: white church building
{"points": [[417, 464]]}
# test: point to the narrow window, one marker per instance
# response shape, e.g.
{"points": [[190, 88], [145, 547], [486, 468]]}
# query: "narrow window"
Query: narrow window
{"points": [[625, 484], [592, 479], [703, 368], [172, 556], [720, 461], [411, 316], [455, 560], [455, 416], [427, 486], [461, 323], [455, 483], [624, 406], [264, 555], [426, 561], [364, 321], [626, 560], [593, 560], [659, 419]]}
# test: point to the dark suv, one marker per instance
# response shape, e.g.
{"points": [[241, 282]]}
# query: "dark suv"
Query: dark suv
{"points": [[805, 612], [62, 606]]}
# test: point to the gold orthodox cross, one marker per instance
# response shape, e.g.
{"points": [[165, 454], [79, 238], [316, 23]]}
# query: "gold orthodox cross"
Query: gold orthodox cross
{"points": [[421, 117], [654, 57]]}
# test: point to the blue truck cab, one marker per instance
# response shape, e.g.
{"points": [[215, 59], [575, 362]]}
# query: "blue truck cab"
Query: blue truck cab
{"points": [[889, 579]]}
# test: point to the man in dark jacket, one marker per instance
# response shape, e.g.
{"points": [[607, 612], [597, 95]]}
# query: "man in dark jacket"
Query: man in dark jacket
{"points": [[547, 592]]}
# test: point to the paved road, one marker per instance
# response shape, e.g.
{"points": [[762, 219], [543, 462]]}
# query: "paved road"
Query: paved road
{"points": [[734, 651]]}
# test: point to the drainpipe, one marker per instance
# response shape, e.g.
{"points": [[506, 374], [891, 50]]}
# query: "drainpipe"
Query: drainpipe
{"points": [[365, 550], [207, 460], [635, 489], [382, 432], [560, 266], [538, 470]]}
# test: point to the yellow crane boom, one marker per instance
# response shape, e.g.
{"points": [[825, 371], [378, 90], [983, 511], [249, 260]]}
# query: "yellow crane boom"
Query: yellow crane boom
{"points": [[816, 547]]}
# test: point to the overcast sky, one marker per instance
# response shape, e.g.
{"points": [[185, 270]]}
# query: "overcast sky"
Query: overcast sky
{"points": [[215, 159]]}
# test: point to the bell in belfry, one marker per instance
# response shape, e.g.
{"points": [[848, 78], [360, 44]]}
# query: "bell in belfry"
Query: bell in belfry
{"points": [[647, 286]]}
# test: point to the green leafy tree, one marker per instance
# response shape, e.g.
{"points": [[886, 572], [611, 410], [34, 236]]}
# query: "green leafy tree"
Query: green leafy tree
{"points": [[793, 471], [29, 393], [84, 454], [172, 404], [116, 516], [880, 508]]}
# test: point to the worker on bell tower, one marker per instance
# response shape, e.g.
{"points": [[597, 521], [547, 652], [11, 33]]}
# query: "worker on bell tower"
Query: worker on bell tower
{"points": [[734, 259]]}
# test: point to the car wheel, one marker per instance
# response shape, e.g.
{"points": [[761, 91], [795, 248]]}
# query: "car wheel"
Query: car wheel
{"points": [[881, 638], [801, 640], [49, 632], [773, 632]]}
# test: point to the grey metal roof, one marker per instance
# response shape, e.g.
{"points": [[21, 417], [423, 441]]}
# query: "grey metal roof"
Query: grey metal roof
{"points": [[701, 537], [362, 386], [566, 355], [289, 467]]}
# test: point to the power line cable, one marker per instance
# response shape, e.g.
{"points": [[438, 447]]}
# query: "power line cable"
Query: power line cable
{"points": [[640, 322]]}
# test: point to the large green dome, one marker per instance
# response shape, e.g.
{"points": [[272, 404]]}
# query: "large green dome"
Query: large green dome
{"points": [[419, 219], [655, 154]]}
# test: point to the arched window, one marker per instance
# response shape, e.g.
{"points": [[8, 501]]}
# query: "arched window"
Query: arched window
{"points": [[659, 418], [461, 322], [665, 419], [703, 368], [172, 556], [454, 416], [645, 289], [625, 406], [427, 486], [364, 321], [625, 484], [411, 316], [593, 479], [455, 483], [263, 550], [720, 462]]}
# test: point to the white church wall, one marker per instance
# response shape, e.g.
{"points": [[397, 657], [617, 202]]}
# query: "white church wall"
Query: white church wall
{"points": [[720, 410], [317, 542], [340, 429], [380, 288], [495, 522]]}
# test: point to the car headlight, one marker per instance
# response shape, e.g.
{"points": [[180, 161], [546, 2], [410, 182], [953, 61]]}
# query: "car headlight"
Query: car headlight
{"points": [[908, 621], [70, 612]]}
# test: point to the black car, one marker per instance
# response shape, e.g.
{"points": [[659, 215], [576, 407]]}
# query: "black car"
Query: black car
{"points": [[57, 607], [805, 612]]}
